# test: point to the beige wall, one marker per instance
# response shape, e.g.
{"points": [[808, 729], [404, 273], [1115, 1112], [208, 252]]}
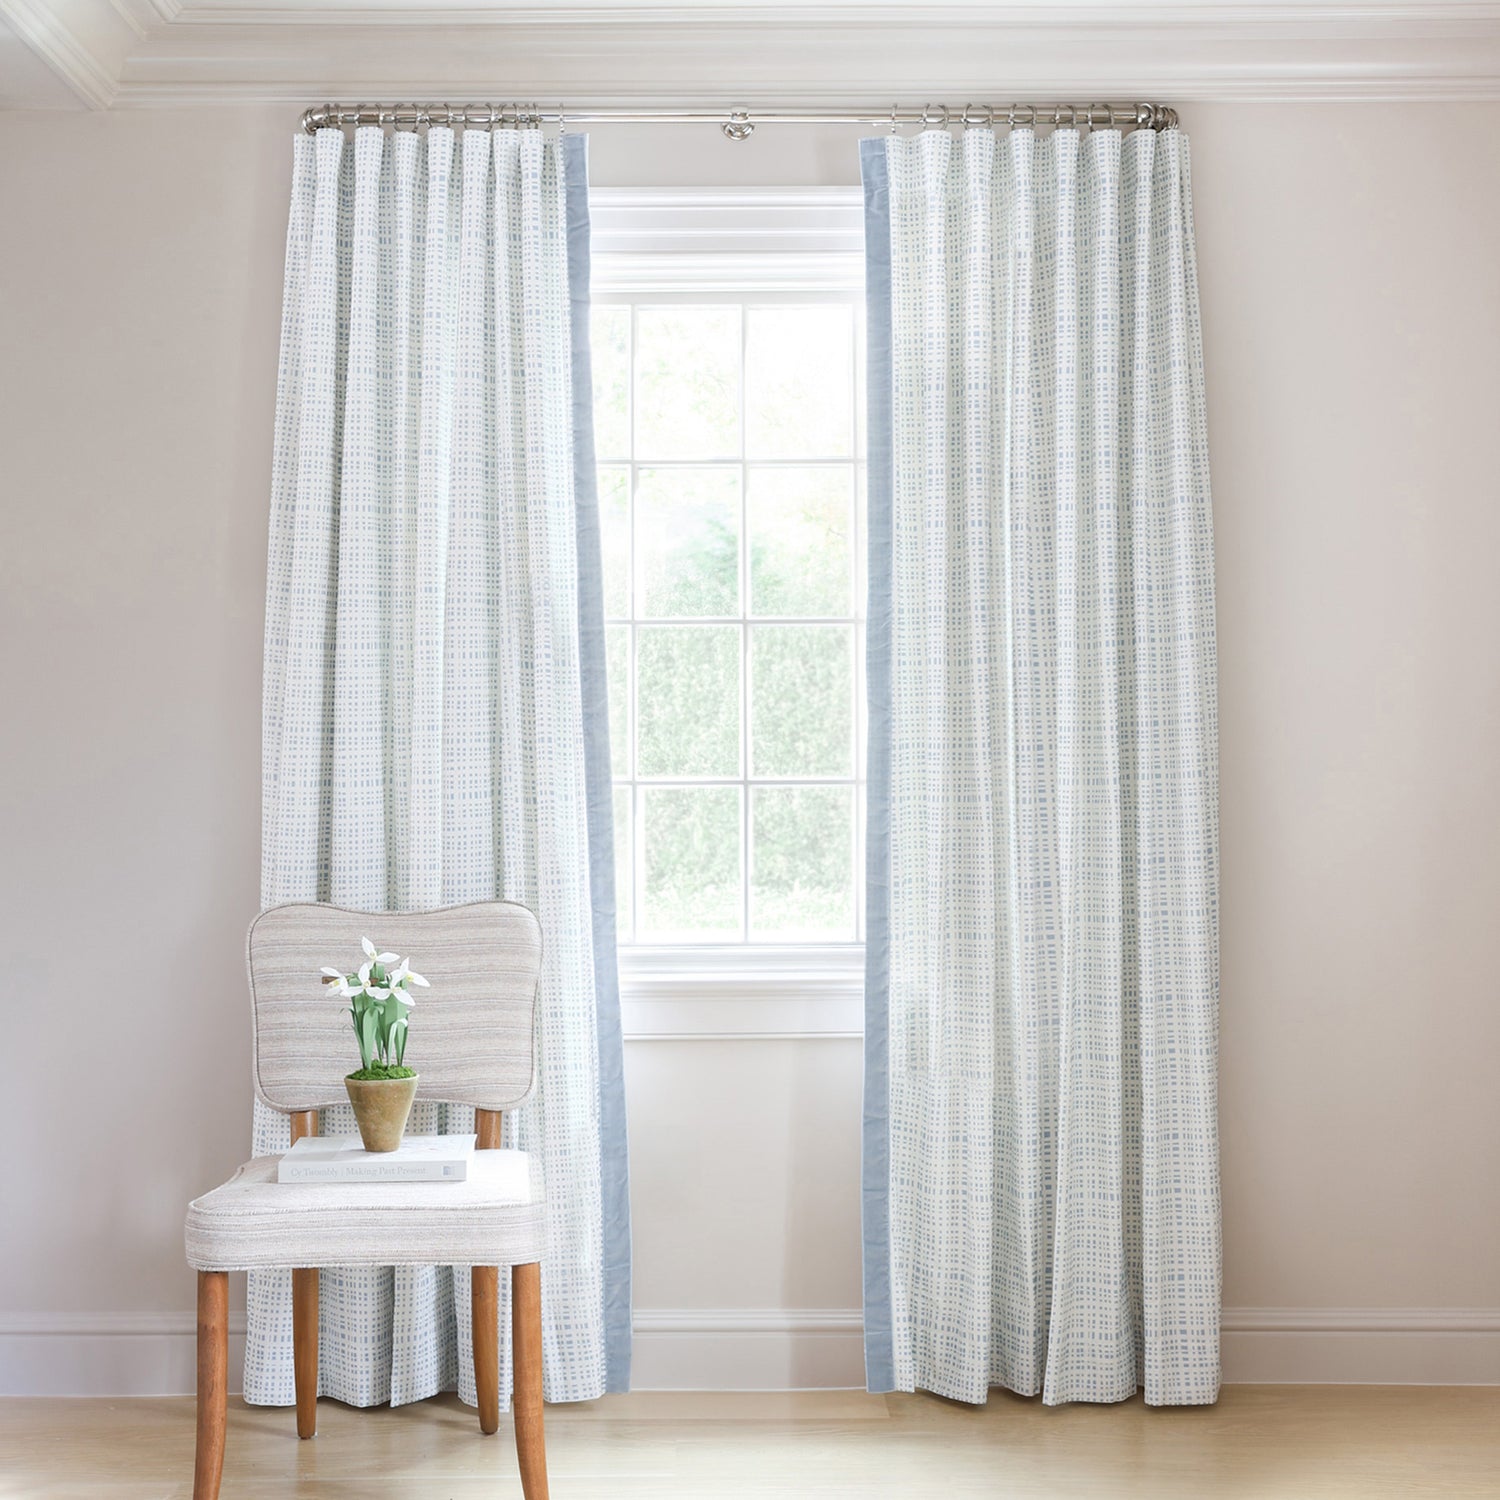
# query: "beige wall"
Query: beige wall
{"points": [[1352, 319]]}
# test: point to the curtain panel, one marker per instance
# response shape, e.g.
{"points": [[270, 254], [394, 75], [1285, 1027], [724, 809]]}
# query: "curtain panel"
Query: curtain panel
{"points": [[1041, 1162], [434, 720]]}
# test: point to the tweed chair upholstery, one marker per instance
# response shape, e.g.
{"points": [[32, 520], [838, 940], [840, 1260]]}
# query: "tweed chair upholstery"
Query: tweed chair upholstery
{"points": [[255, 1223], [473, 1033], [472, 1042]]}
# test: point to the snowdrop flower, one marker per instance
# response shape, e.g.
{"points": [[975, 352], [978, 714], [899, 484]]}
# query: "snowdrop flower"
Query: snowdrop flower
{"points": [[381, 1034], [379, 958], [339, 981]]}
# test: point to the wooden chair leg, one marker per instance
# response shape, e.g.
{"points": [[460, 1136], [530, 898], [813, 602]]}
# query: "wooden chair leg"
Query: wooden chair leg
{"points": [[305, 1349], [213, 1382], [484, 1307], [526, 1400], [304, 1122]]}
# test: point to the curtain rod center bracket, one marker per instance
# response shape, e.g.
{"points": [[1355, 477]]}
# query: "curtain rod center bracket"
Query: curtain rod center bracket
{"points": [[739, 126]]}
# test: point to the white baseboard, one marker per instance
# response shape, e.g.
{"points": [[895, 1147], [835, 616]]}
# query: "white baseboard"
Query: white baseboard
{"points": [[1361, 1345], [776, 1349], [152, 1354], [107, 1354]]}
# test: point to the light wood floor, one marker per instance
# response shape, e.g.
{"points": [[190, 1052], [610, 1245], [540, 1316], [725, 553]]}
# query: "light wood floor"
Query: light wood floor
{"points": [[1259, 1442]]}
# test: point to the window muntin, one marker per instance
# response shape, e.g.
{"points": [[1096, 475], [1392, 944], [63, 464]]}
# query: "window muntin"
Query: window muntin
{"points": [[728, 429]]}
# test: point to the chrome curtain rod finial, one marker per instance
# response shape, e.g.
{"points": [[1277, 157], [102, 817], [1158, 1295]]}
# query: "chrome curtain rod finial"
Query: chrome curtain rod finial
{"points": [[737, 124]]}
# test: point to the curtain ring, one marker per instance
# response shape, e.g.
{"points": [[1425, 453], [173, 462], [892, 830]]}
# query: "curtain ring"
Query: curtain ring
{"points": [[934, 119], [895, 124], [1106, 122]]}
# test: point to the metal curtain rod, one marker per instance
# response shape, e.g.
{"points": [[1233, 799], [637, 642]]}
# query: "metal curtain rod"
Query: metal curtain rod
{"points": [[738, 123]]}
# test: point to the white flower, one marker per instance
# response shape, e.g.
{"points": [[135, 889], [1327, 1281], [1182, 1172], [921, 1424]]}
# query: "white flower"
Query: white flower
{"points": [[377, 992], [338, 982], [399, 974], [380, 958], [416, 979]]}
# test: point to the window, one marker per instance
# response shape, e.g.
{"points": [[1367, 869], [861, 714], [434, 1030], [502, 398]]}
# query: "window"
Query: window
{"points": [[729, 436]]}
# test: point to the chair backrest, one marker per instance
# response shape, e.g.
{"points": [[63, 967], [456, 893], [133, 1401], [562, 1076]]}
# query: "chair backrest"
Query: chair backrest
{"points": [[473, 1031]]}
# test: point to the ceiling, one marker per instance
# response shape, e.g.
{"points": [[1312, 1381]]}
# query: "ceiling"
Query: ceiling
{"points": [[124, 54]]}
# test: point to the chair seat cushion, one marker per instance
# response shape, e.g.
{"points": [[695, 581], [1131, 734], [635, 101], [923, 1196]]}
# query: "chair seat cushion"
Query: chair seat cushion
{"points": [[253, 1222]]}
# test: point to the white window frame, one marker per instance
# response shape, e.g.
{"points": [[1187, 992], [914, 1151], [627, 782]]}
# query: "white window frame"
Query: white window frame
{"points": [[673, 245]]}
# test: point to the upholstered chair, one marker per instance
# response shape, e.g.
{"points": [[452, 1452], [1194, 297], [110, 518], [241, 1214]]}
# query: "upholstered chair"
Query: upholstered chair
{"points": [[472, 1041]]}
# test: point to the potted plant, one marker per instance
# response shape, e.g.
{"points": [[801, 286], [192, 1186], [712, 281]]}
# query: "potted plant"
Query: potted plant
{"points": [[382, 1089]]}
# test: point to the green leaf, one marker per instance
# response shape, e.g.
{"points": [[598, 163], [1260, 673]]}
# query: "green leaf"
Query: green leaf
{"points": [[367, 1050]]}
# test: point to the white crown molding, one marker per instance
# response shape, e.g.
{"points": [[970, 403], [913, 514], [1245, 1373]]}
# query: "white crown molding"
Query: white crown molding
{"points": [[152, 53], [142, 15], [85, 42], [743, 1349], [1287, 19]]}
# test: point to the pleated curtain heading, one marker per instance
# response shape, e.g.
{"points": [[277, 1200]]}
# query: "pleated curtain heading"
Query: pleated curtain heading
{"points": [[435, 726], [1041, 1189]]}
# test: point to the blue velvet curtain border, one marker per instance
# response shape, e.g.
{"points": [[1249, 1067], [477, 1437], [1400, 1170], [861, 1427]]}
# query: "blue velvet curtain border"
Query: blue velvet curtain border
{"points": [[875, 1185], [614, 1168]]}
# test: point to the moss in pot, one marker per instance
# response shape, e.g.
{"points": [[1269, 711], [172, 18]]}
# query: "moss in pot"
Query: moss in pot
{"points": [[382, 1088]]}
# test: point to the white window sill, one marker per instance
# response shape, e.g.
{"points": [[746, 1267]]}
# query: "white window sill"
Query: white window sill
{"points": [[742, 991]]}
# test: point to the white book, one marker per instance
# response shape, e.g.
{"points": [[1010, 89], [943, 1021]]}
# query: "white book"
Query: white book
{"points": [[341, 1158]]}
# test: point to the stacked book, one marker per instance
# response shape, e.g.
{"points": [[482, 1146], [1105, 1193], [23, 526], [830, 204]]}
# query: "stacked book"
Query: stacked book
{"points": [[341, 1158]]}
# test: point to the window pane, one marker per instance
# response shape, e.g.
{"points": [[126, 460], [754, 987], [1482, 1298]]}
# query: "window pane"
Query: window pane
{"points": [[801, 700], [799, 374], [687, 542], [611, 360], [802, 863], [691, 857], [799, 541], [617, 665], [624, 865], [688, 700], [614, 539], [687, 382]]}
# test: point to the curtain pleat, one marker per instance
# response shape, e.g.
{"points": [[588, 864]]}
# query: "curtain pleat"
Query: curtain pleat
{"points": [[1042, 1213], [425, 734]]}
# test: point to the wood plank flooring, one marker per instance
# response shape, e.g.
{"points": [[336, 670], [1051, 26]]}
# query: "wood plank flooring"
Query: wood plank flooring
{"points": [[1259, 1443]]}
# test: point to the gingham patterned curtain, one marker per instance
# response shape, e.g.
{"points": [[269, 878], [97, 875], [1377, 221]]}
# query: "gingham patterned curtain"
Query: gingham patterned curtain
{"points": [[1041, 1188], [435, 726]]}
